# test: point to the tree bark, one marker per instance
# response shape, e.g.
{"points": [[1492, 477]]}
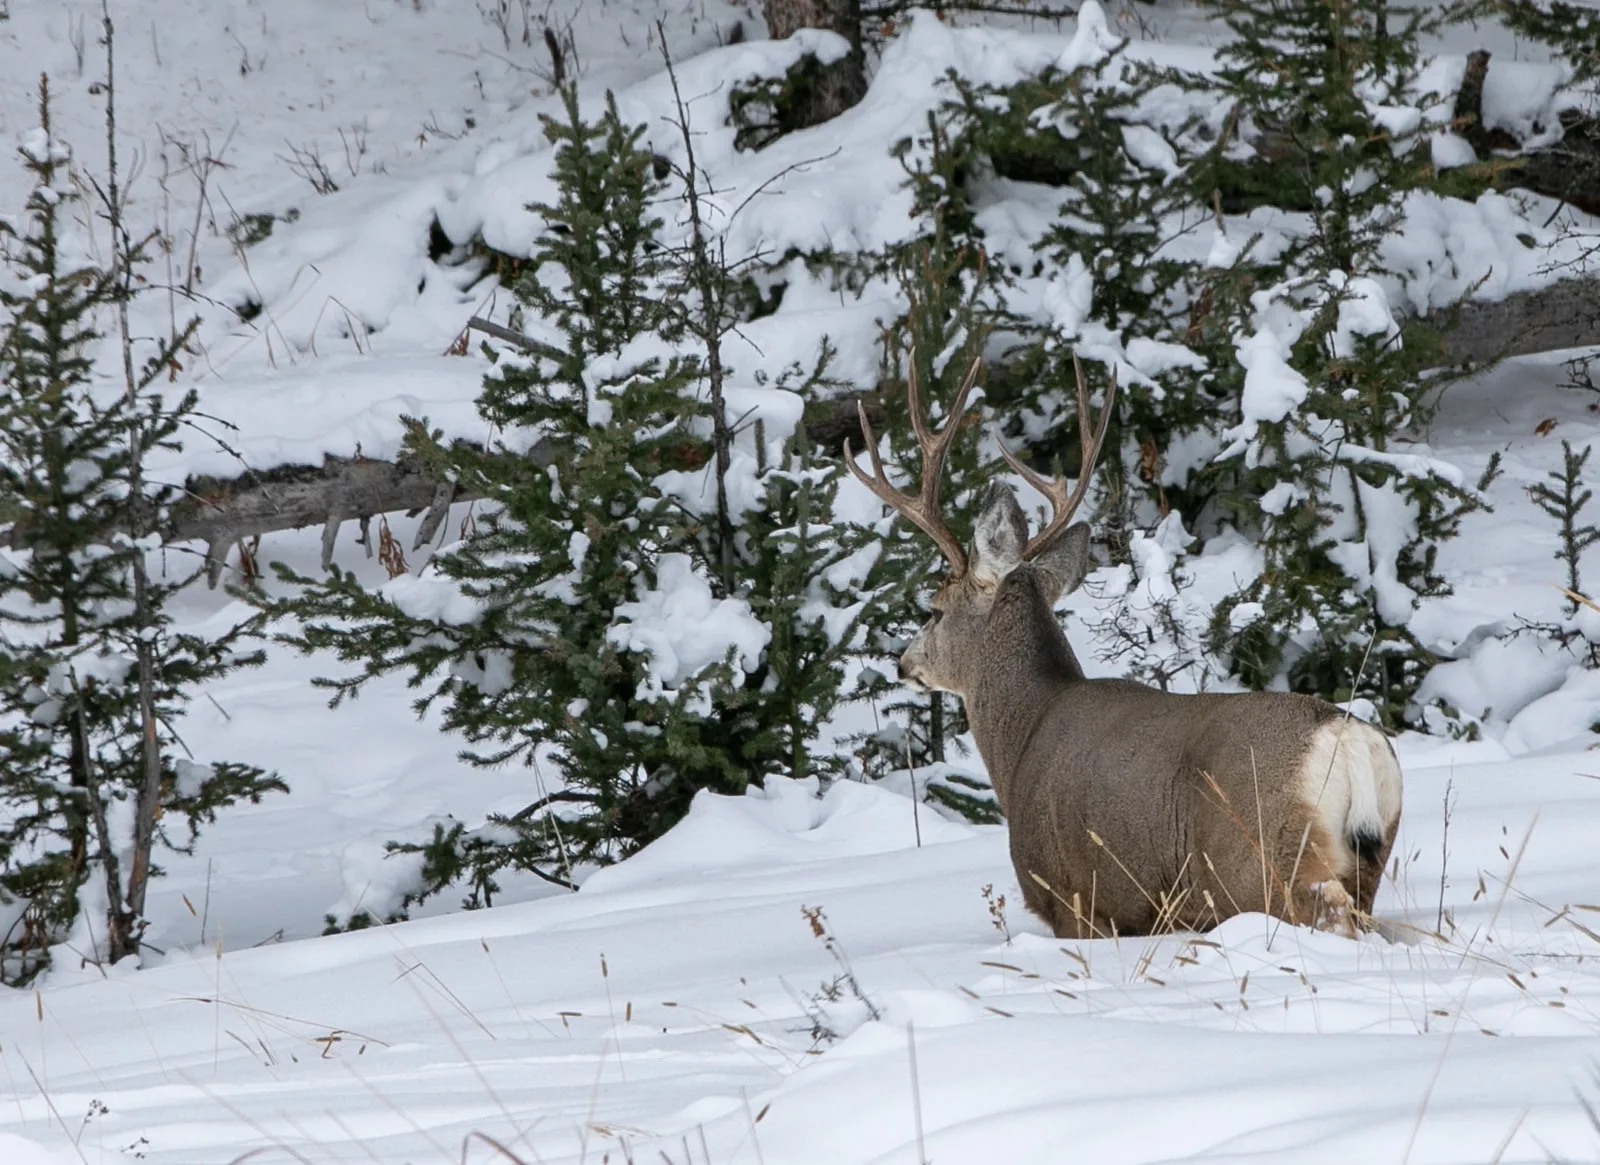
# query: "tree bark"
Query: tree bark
{"points": [[1569, 170], [222, 513], [785, 17], [1546, 319], [125, 914], [291, 497], [840, 85]]}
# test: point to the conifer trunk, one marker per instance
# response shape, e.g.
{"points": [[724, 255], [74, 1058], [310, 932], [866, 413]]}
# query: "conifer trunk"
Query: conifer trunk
{"points": [[843, 83], [709, 321], [123, 929]]}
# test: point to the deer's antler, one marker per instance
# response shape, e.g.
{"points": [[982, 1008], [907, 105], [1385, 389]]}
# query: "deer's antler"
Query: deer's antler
{"points": [[923, 510], [1061, 504]]}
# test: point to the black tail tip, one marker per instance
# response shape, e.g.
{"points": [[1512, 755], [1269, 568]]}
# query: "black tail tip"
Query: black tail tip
{"points": [[1367, 843]]}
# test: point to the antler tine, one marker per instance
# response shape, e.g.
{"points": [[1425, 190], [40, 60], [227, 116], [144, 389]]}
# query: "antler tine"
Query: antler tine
{"points": [[936, 445], [1063, 505], [923, 510]]}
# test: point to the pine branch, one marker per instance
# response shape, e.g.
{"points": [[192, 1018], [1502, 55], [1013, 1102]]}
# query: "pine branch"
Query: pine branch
{"points": [[1565, 501]]}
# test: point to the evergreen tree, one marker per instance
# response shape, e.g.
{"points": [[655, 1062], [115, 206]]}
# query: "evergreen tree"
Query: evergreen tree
{"points": [[808, 580], [778, 548], [515, 636], [87, 719], [1102, 127], [1564, 498], [1325, 119], [1110, 279], [553, 634], [1571, 30], [955, 306]]}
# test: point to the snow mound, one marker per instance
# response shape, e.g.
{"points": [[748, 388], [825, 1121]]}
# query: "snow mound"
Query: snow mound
{"points": [[15, 1150], [786, 824]]}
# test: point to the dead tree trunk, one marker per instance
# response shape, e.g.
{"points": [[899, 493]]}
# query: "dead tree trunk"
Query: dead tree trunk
{"points": [[1547, 319], [222, 514], [1568, 170], [838, 86]]}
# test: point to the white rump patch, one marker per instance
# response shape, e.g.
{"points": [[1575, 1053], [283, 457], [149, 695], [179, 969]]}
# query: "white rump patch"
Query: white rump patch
{"points": [[1351, 779]]}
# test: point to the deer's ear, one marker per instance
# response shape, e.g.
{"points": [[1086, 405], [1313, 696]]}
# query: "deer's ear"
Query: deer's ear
{"points": [[999, 536], [1067, 561]]}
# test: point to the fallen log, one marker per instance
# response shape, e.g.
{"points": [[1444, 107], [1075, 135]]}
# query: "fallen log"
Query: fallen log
{"points": [[1568, 171], [222, 513], [1545, 319]]}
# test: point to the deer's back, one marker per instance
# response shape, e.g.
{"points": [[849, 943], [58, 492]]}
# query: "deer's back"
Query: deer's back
{"points": [[1130, 790]]}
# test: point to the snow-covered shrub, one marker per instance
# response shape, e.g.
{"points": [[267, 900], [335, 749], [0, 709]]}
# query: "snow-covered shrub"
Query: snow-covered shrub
{"points": [[1266, 382], [1325, 119], [654, 605], [1107, 279], [1151, 624], [1108, 276]]}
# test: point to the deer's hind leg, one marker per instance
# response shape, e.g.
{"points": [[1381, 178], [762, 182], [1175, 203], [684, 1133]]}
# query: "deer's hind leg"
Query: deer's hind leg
{"points": [[1324, 904], [1320, 896], [1335, 909], [1063, 909]]}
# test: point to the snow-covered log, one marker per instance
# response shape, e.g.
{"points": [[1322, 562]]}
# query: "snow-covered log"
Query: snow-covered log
{"points": [[1568, 170], [1559, 315], [221, 513]]}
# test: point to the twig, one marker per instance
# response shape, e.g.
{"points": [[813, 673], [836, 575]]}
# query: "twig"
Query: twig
{"points": [[911, 768], [916, 1094], [1444, 854], [515, 339]]}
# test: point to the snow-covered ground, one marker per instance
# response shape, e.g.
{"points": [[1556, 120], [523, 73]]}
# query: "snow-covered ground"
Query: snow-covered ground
{"points": [[669, 1008], [676, 1008]]}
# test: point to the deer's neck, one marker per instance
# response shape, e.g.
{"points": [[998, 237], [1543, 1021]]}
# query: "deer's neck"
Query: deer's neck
{"points": [[1024, 661]]}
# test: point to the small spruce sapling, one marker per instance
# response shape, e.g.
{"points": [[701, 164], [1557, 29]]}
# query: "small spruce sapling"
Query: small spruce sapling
{"points": [[1564, 497], [96, 673], [519, 650]]}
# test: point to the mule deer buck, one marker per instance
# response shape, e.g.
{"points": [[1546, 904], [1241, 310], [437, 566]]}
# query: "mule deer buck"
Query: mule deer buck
{"points": [[1133, 810]]}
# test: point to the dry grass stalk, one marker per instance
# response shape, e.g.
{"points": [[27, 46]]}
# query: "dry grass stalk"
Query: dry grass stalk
{"points": [[389, 552]]}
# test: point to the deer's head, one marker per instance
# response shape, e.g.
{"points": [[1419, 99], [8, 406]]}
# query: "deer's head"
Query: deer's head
{"points": [[943, 652]]}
